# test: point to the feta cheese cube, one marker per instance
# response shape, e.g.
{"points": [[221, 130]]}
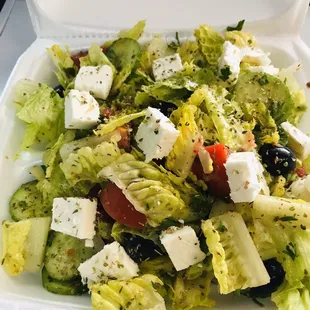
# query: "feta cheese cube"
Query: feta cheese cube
{"points": [[242, 172], [255, 56], [229, 63], [166, 67], [156, 135], [75, 217], [300, 189], [96, 80], [111, 262], [272, 70], [182, 246], [298, 141], [81, 110]]}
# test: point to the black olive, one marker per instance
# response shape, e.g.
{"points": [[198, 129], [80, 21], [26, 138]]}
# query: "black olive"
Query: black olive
{"points": [[276, 274], [140, 249], [278, 160], [165, 107], [59, 90]]}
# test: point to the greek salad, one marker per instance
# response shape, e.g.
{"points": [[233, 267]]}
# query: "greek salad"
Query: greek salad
{"points": [[169, 167]]}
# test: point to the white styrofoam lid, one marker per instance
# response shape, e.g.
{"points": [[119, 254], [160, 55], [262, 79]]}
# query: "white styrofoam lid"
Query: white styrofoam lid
{"points": [[59, 18]]}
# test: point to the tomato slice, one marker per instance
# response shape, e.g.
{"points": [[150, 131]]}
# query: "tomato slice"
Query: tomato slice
{"points": [[301, 172], [119, 208], [217, 181]]}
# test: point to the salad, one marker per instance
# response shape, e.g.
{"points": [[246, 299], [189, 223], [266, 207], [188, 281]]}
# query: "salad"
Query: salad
{"points": [[168, 168]]}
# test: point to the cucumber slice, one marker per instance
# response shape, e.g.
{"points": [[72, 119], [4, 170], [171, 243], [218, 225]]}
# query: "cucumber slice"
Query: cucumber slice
{"points": [[236, 262], [27, 202], [64, 255], [62, 287], [124, 53]]}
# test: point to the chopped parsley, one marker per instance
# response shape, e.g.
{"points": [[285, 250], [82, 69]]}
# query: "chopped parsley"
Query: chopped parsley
{"points": [[225, 73], [290, 250], [263, 80]]}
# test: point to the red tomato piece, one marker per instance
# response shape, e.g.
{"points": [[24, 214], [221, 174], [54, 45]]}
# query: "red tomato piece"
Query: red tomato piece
{"points": [[217, 181], [301, 172], [119, 208]]}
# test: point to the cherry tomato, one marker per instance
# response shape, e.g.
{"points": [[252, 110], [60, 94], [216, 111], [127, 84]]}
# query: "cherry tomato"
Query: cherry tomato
{"points": [[301, 172], [217, 181], [76, 57], [119, 208], [124, 143]]}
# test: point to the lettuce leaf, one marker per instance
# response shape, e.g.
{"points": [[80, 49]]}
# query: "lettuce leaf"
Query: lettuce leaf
{"points": [[183, 154], [117, 121], [50, 157], [43, 112], [85, 164], [58, 186], [226, 116], [240, 38], [67, 70], [210, 43], [96, 57], [189, 293], [190, 53], [292, 297], [298, 95], [135, 32], [148, 189], [136, 294], [236, 262]]}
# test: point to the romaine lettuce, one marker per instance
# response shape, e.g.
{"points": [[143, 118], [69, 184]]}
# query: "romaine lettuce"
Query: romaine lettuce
{"points": [[240, 38], [236, 262], [185, 149], [67, 70], [210, 43], [85, 164], [135, 32], [148, 189], [96, 57], [136, 294], [117, 121], [189, 52], [190, 293], [43, 112]]}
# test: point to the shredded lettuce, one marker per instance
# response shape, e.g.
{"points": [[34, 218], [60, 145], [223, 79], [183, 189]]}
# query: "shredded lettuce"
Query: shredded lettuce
{"points": [[135, 32], [185, 149], [67, 70], [236, 262], [210, 43], [43, 112], [190, 53], [136, 294], [146, 188], [85, 164]]}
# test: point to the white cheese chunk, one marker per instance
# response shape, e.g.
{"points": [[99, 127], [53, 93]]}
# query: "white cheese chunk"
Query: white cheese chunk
{"points": [[112, 262], [96, 80], [229, 63], [242, 170], [166, 67], [272, 70], [182, 246], [81, 110], [300, 189], [74, 217], [298, 141], [255, 56], [156, 135]]}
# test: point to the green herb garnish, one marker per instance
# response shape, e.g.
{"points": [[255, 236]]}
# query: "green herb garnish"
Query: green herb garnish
{"points": [[238, 27]]}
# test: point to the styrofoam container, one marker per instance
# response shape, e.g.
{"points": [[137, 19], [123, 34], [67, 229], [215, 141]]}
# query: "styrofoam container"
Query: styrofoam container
{"points": [[77, 23]]}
